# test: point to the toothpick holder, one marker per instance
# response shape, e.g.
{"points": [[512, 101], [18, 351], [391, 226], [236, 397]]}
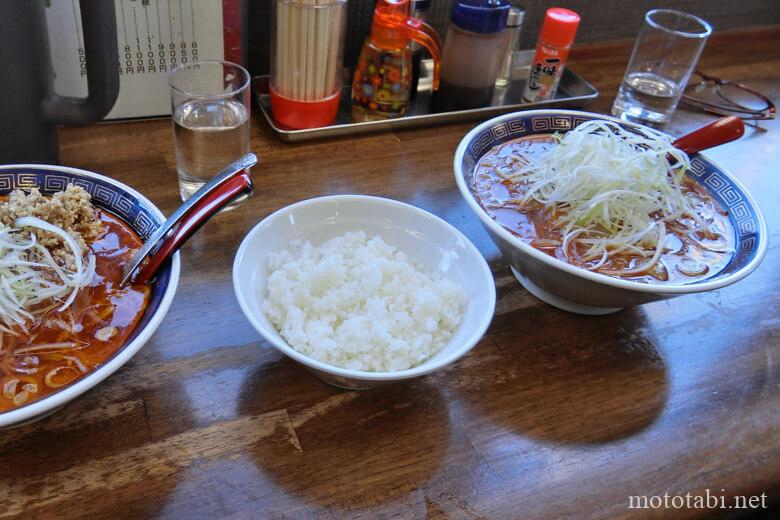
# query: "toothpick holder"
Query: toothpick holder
{"points": [[306, 64]]}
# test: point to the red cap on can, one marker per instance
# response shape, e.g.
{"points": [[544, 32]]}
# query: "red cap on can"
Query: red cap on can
{"points": [[560, 26]]}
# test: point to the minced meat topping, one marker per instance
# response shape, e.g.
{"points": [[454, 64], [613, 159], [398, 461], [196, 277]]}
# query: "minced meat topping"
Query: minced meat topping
{"points": [[70, 210]]}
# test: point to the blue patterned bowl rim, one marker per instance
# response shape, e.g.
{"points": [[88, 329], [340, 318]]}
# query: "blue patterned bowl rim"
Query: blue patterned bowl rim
{"points": [[744, 215], [144, 217]]}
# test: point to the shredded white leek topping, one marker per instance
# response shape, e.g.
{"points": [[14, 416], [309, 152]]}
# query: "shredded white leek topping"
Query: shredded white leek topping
{"points": [[31, 281], [610, 191]]}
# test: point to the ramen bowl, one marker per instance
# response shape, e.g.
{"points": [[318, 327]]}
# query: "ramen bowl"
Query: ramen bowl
{"points": [[575, 289], [143, 217], [425, 238]]}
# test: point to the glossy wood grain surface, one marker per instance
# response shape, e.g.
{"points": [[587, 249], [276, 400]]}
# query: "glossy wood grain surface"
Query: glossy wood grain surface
{"points": [[552, 415]]}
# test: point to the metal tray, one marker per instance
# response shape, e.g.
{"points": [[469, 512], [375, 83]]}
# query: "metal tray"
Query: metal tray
{"points": [[573, 92]]}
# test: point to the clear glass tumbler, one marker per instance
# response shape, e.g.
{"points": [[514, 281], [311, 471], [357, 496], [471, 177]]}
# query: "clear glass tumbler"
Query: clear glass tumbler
{"points": [[210, 107], [665, 54]]}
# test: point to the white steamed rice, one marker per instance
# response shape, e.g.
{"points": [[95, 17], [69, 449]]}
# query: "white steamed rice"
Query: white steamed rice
{"points": [[360, 303]]}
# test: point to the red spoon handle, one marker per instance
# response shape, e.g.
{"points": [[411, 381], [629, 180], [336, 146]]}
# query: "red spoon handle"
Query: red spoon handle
{"points": [[193, 220], [722, 131]]}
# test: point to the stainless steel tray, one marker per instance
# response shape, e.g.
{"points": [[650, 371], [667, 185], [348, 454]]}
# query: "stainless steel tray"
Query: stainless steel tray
{"points": [[573, 92]]}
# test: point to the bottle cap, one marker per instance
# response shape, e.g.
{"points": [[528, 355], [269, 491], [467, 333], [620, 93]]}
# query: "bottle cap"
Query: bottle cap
{"points": [[515, 18], [560, 26], [480, 16]]}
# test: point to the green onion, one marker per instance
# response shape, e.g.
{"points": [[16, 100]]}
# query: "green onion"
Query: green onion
{"points": [[30, 276], [612, 190]]}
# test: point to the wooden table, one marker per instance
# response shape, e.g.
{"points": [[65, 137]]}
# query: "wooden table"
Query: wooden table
{"points": [[552, 415]]}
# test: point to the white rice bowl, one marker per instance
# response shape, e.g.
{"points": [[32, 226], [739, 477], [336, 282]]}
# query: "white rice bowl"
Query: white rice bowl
{"points": [[360, 304]]}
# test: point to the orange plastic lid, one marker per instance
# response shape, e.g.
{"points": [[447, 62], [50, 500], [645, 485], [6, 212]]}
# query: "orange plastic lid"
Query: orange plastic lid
{"points": [[388, 24], [560, 26]]}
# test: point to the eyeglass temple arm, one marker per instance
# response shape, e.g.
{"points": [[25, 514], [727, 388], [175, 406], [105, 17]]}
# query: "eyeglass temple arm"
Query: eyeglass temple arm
{"points": [[708, 77]]}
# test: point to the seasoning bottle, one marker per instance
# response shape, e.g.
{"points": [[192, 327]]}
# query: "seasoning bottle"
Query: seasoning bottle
{"points": [[420, 9], [552, 50], [383, 76], [473, 51], [514, 23]]}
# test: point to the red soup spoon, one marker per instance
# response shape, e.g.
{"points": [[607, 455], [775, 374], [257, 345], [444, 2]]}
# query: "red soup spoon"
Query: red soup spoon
{"points": [[722, 131]]}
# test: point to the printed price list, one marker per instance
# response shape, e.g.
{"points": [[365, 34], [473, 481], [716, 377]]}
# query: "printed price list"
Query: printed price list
{"points": [[153, 37], [157, 36]]}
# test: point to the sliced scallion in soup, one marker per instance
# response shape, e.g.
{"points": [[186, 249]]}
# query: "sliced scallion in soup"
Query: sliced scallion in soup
{"points": [[608, 200]]}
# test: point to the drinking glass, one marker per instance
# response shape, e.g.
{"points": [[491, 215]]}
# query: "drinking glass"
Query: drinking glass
{"points": [[665, 54], [210, 107]]}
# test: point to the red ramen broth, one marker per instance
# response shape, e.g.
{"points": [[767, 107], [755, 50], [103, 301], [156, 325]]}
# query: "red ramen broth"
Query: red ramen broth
{"points": [[535, 225], [62, 347]]}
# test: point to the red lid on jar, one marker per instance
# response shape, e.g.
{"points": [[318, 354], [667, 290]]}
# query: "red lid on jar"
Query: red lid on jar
{"points": [[560, 26]]}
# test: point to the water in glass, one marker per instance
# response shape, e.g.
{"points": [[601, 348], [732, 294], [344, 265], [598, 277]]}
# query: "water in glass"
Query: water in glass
{"points": [[646, 96], [209, 135]]}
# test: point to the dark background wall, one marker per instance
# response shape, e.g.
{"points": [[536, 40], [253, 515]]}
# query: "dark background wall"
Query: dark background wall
{"points": [[601, 20]]}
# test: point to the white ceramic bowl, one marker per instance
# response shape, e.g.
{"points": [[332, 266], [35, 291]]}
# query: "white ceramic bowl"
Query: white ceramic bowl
{"points": [[424, 237], [575, 289], [144, 217]]}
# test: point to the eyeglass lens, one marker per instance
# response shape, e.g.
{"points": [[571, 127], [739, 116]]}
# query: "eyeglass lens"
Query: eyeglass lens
{"points": [[725, 96]]}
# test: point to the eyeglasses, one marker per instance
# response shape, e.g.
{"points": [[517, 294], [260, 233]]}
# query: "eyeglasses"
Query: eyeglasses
{"points": [[726, 98]]}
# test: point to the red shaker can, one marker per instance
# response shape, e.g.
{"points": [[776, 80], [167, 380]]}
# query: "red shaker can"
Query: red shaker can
{"points": [[552, 51]]}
